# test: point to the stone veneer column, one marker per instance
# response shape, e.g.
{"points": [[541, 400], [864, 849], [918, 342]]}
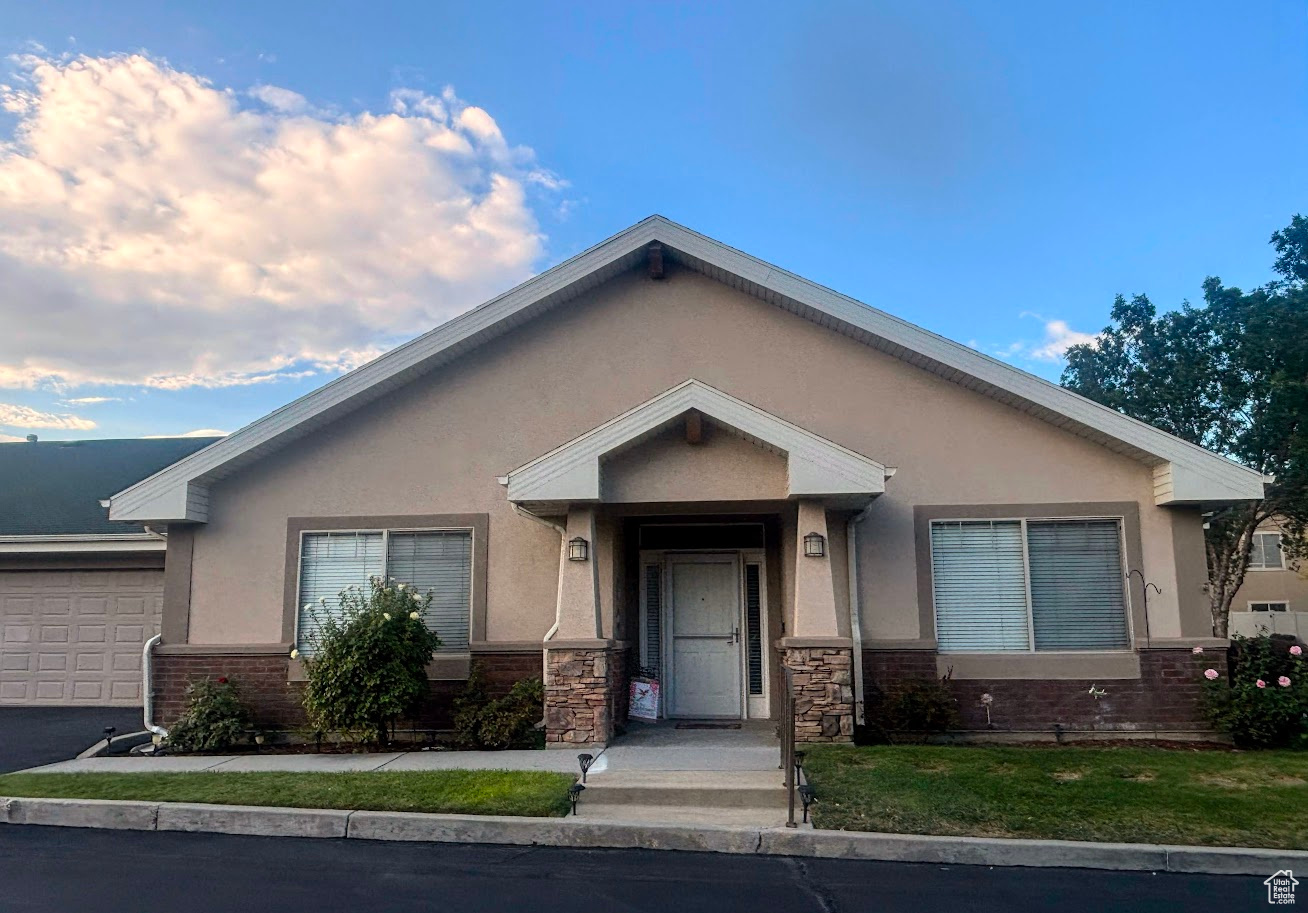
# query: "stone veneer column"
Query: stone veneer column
{"points": [[824, 692], [579, 699]]}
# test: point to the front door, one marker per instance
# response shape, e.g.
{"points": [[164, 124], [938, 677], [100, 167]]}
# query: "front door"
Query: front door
{"points": [[705, 674]]}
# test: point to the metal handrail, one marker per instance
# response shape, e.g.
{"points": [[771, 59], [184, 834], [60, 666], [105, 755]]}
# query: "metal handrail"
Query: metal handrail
{"points": [[788, 742]]}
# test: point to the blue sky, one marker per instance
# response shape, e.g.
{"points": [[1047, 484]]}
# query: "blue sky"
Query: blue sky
{"points": [[993, 172]]}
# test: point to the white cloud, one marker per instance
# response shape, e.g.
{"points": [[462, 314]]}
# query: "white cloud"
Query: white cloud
{"points": [[1059, 337], [26, 417], [156, 230], [90, 400], [11, 439], [198, 432]]}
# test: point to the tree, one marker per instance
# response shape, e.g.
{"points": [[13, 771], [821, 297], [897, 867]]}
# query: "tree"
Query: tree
{"points": [[1231, 376]]}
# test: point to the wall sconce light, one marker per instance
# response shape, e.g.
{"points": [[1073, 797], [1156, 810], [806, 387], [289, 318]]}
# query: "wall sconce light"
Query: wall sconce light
{"points": [[815, 545], [578, 549]]}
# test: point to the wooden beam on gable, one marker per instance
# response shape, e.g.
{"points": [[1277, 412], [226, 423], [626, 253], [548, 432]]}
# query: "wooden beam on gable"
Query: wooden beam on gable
{"points": [[655, 257], [694, 428]]}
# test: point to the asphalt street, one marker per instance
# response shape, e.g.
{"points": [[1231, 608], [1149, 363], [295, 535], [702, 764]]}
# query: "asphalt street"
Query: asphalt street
{"points": [[95, 871]]}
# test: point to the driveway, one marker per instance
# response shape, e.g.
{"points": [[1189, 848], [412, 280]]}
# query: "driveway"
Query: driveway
{"points": [[48, 869], [31, 736]]}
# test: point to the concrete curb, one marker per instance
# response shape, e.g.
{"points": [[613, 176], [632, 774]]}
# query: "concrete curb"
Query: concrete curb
{"points": [[580, 832]]}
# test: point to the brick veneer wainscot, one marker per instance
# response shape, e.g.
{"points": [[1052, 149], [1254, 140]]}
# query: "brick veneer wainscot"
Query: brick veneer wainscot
{"points": [[1167, 695], [261, 680], [824, 693]]}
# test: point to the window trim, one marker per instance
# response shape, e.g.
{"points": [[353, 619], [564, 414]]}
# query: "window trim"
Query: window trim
{"points": [[1024, 522], [1262, 568], [1270, 602], [478, 524]]}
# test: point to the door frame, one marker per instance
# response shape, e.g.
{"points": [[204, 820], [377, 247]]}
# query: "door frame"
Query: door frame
{"points": [[752, 706]]}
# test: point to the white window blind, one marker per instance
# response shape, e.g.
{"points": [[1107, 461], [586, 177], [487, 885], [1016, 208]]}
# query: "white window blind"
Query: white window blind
{"points": [[1266, 552], [439, 563], [436, 561], [1022, 585], [980, 586], [329, 563], [1078, 600]]}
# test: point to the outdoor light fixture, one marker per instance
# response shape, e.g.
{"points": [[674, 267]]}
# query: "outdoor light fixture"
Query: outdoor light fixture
{"points": [[109, 735], [574, 793], [799, 764], [808, 796], [578, 549], [585, 760], [815, 545]]}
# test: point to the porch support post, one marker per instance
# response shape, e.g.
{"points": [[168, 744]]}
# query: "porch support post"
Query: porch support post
{"points": [[821, 658], [581, 682]]}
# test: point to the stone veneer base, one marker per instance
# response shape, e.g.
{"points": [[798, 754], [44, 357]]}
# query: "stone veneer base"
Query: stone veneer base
{"points": [[824, 693], [585, 696]]}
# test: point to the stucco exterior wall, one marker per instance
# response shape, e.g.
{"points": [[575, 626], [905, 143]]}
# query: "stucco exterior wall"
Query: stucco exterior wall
{"points": [[438, 444]]}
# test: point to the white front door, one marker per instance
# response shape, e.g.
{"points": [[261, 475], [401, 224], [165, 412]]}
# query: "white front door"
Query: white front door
{"points": [[704, 596]]}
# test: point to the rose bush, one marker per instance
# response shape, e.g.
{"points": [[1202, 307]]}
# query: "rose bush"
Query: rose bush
{"points": [[1244, 706], [367, 664]]}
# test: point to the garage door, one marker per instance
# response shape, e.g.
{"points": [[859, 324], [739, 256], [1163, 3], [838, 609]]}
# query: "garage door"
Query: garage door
{"points": [[75, 637]]}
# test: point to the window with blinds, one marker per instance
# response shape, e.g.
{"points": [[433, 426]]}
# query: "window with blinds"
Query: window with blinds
{"points": [[436, 561], [754, 628], [1023, 585], [1265, 555], [653, 619]]}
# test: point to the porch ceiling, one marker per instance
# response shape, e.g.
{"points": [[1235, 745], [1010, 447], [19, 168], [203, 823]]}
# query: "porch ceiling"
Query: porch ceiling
{"points": [[816, 467]]}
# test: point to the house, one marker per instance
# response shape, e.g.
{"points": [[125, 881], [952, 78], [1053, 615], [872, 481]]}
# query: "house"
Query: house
{"points": [[666, 455], [79, 595], [1274, 595]]}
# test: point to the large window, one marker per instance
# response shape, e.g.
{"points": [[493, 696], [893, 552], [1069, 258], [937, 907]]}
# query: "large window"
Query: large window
{"points": [[431, 561], [1266, 552], [1013, 586]]}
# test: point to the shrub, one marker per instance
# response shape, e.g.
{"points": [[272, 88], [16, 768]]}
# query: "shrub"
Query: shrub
{"points": [[481, 721], [214, 719], [1263, 702], [911, 706], [368, 666]]}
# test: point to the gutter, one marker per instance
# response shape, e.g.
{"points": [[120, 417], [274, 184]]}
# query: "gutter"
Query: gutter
{"points": [[147, 688], [558, 599], [855, 609]]}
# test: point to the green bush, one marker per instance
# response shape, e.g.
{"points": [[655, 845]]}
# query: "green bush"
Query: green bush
{"points": [[481, 721], [368, 663], [215, 718], [1263, 703], [911, 706]]}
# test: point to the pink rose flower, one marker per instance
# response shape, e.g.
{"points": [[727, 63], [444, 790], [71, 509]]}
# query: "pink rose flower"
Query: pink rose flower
{"points": [[1260, 683], [1284, 681], [1210, 674], [1197, 650], [1296, 650]]}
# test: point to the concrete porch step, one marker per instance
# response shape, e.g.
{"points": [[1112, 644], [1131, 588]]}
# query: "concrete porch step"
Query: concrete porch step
{"points": [[686, 815], [688, 789]]}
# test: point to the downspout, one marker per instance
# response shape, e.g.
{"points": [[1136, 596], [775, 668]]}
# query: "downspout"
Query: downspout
{"points": [[855, 621], [558, 599], [147, 688]]}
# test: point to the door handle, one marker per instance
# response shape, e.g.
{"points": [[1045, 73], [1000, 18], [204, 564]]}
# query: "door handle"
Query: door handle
{"points": [[735, 634]]}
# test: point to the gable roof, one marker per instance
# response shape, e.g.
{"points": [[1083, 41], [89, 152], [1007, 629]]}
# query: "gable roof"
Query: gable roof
{"points": [[816, 466], [1183, 472], [54, 488]]}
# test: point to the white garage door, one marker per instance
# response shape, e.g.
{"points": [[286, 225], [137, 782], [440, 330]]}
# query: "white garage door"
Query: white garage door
{"points": [[75, 637]]}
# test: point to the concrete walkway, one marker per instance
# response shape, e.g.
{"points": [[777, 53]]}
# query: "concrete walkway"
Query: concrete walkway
{"points": [[645, 746]]}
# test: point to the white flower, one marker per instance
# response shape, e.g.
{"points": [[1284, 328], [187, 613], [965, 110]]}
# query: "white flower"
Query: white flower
{"points": [[295, 654], [322, 600], [386, 615], [308, 607], [1197, 651], [413, 615], [400, 586]]}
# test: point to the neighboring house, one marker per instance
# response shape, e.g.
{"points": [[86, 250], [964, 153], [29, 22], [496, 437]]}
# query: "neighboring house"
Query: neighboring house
{"points": [[666, 454], [79, 595], [1274, 595]]}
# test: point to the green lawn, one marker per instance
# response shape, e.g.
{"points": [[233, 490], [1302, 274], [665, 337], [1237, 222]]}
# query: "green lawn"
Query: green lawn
{"points": [[473, 792], [1138, 795]]}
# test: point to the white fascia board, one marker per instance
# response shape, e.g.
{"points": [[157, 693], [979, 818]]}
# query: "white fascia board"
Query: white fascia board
{"points": [[153, 498], [44, 545], [817, 467]]}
